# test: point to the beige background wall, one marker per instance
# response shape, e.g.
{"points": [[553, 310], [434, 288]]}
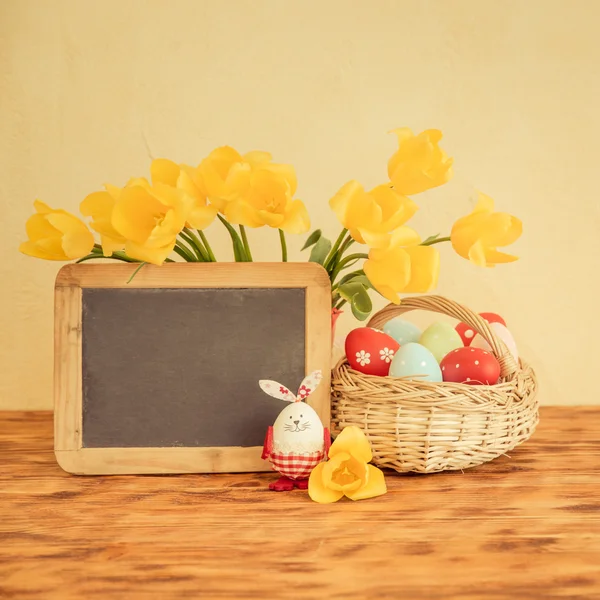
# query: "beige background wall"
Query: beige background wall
{"points": [[91, 90]]}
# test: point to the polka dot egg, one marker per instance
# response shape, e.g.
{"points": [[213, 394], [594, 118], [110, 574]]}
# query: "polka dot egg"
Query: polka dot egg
{"points": [[467, 333], [473, 366]]}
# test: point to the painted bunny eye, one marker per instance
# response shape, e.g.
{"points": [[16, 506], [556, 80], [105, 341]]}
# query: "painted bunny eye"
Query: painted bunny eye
{"points": [[290, 416], [301, 416]]}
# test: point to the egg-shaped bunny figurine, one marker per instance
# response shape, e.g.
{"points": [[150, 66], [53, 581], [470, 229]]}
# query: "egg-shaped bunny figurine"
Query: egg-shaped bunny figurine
{"points": [[297, 442]]}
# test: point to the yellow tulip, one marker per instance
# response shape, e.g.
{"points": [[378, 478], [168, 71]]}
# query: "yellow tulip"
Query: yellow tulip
{"points": [[225, 174], [149, 218], [419, 164], [347, 473], [371, 216], [99, 206], [403, 267], [187, 179], [268, 201], [55, 234], [477, 235]]}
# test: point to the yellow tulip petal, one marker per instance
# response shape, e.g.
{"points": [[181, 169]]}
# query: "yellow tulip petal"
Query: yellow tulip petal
{"points": [[340, 202], [495, 257], [405, 236], [53, 253], [329, 467], [200, 217], [317, 491], [77, 243], [388, 268], [134, 214], [155, 256], [110, 245], [38, 227], [375, 485], [352, 441], [270, 218], [477, 254], [65, 222], [239, 212], [286, 172], [374, 240], [484, 203], [163, 170], [424, 269], [41, 207], [296, 220], [113, 190], [97, 203], [257, 158]]}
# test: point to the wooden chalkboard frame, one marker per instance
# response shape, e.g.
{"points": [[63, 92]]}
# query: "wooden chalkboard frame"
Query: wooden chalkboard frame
{"points": [[68, 387]]}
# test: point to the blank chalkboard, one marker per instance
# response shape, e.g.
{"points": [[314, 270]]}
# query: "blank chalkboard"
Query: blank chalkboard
{"points": [[161, 375]]}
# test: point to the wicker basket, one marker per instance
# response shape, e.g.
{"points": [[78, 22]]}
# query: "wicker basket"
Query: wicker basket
{"points": [[427, 427]]}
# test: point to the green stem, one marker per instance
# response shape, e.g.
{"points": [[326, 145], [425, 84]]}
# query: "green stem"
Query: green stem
{"points": [[435, 241], [197, 246], [211, 255], [115, 256], [245, 242], [347, 243], [348, 259], [169, 260], [184, 252], [333, 251], [135, 272], [283, 245], [340, 303]]}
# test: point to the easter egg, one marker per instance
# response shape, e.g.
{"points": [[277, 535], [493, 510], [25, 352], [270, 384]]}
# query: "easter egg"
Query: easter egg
{"points": [[501, 332], [440, 338], [370, 351], [404, 332], [467, 333], [474, 366], [415, 362]]}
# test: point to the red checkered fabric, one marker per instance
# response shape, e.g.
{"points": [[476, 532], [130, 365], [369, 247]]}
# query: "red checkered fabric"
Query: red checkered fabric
{"points": [[296, 466]]}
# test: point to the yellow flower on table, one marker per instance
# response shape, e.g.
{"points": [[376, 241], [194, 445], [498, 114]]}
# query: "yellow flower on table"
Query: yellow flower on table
{"points": [[419, 164], [347, 472], [371, 216], [403, 267], [187, 179], [225, 174], [476, 236], [269, 201], [149, 218], [55, 234]]}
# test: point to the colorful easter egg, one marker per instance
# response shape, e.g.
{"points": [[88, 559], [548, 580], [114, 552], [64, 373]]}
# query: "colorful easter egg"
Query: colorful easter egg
{"points": [[414, 361], [370, 351], [404, 332], [440, 338], [470, 365], [501, 332], [467, 333]]}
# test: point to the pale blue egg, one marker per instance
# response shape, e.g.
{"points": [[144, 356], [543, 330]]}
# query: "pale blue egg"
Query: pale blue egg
{"points": [[415, 362], [404, 332]]}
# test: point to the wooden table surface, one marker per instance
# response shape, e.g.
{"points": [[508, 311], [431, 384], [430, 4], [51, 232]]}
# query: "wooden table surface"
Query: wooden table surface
{"points": [[524, 527]]}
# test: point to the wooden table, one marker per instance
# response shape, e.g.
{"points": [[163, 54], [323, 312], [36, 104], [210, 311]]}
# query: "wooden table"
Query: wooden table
{"points": [[524, 527]]}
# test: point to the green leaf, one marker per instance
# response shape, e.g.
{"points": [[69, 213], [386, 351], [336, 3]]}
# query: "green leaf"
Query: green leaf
{"points": [[431, 238], [312, 239], [357, 295], [320, 251], [239, 253]]}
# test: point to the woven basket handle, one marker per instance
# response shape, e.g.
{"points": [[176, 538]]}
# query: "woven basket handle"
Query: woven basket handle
{"points": [[439, 304]]}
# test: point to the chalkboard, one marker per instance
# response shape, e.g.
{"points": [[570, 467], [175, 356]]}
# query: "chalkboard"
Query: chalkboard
{"points": [[161, 375]]}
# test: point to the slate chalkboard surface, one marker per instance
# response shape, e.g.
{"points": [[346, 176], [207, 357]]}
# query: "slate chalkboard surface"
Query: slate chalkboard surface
{"points": [[161, 375], [178, 367]]}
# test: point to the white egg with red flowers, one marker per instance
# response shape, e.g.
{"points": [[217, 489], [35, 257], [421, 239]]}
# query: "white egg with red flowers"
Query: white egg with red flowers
{"points": [[467, 333], [503, 334], [473, 366], [370, 351]]}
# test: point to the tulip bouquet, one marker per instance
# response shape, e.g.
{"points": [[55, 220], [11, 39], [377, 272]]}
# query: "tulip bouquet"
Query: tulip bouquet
{"points": [[165, 218]]}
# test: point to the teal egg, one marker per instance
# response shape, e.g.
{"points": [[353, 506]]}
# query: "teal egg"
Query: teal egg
{"points": [[414, 361], [404, 332], [440, 339]]}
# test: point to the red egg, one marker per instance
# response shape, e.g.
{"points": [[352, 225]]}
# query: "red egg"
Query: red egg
{"points": [[370, 351], [470, 365], [467, 333]]}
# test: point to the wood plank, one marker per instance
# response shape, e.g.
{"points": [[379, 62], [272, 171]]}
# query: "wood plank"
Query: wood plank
{"points": [[524, 527]]}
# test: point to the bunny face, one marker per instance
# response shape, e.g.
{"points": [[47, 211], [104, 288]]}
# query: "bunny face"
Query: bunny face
{"points": [[298, 429]]}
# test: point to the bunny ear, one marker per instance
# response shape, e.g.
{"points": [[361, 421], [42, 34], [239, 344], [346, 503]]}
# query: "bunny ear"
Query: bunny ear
{"points": [[276, 390], [309, 384]]}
